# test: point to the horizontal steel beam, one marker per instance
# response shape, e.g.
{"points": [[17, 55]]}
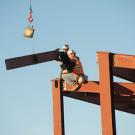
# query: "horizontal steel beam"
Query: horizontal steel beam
{"points": [[93, 87], [124, 73], [123, 60], [124, 95], [120, 60], [28, 60], [121, 102]]}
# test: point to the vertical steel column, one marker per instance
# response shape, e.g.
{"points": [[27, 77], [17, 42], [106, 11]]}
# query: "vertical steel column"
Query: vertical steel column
{"points": [[106, 94], [58, 108]]}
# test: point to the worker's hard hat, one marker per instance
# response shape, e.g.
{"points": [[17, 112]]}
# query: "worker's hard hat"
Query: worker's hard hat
{"points": [[66, 46], [70, 52]]}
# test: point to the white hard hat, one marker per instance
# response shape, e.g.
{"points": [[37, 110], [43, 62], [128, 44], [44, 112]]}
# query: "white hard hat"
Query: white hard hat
{"points": [[70, 51], [65, 46]]}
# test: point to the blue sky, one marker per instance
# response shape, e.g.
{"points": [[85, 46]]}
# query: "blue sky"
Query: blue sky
{"points": [[88, 26]]}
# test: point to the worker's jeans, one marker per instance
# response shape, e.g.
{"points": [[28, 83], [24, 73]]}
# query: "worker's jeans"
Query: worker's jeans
{"points": [[70, 78]]}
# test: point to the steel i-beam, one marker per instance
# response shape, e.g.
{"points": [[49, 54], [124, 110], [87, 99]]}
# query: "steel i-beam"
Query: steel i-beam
{"points": [[106, 94], [58, 108]]}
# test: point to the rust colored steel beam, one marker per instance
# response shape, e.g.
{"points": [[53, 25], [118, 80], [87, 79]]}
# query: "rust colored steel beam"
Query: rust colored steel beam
{"points": [[124, 73], [121, 102], [83, 96], [106, 94], [90, 86], [93, 87], [123, 60], [58, 108], [124, 88], [124, 92], [124, 95]]}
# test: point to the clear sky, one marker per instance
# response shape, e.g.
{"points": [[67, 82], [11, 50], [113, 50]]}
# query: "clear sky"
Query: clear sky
{"points": [[88, 26]]}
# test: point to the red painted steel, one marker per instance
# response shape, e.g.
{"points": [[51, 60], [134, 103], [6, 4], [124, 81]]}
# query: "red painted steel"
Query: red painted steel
{"points": [[58, 108], [90, 86], [124, 88], [93, 87], [124, 96], [110, 95], [123, 60], [106, 95]]}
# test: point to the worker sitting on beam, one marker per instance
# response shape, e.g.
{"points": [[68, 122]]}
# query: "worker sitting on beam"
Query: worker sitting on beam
{"points": [[75, 78]]}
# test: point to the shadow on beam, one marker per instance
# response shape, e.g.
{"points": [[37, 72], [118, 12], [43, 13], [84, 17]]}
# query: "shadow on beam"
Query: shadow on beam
{"points": [[122, 103], [84, 96], [124, 73], [124, 96]]}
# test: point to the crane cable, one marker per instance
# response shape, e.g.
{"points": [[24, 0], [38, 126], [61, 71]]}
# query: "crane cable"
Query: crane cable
{"points": [[29, 31], [30, 18]]}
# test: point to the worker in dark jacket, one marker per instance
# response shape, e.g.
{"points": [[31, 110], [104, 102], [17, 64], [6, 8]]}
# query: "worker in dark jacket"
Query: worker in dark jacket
{"points": [[71, 76], [65, 62], [65, 50]]}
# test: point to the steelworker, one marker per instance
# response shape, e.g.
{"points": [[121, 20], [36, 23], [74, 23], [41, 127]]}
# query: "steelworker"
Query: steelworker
{"points": [[64, 56], [74, 77]]}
